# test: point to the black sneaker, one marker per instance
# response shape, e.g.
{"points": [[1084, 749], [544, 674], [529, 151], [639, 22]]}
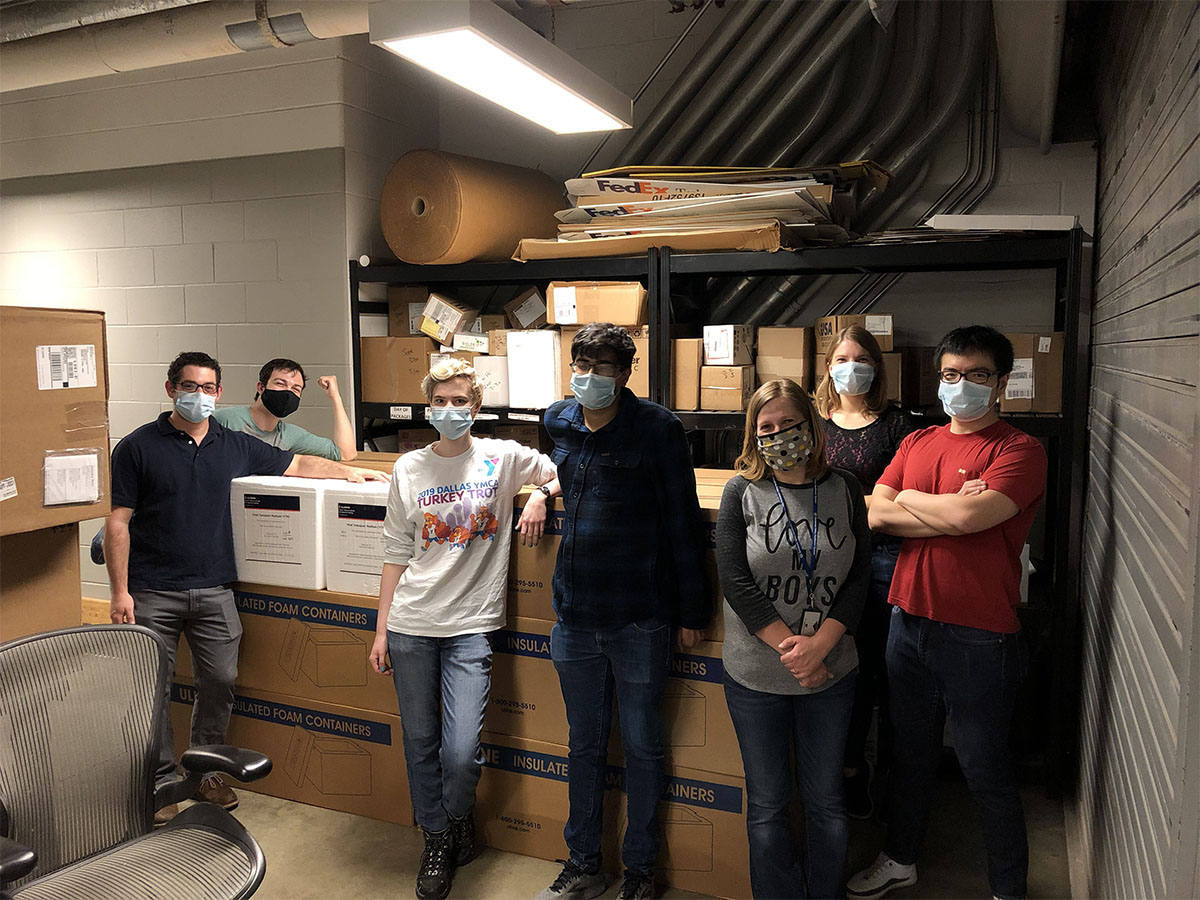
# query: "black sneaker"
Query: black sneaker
{"points": [[433, 881], [858, 793], [463, 830], [575, 883], [636, 886]]}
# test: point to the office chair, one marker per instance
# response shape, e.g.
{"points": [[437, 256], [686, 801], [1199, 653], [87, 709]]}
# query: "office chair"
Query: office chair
{"points": [[79, 719]]}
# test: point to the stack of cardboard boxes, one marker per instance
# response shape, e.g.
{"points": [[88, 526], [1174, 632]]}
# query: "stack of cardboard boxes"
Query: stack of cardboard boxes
{"points": [[53, 461]]}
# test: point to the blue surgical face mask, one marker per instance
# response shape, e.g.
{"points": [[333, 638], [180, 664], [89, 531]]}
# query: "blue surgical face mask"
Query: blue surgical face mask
{"points": [[452, 422], [852, 377], [195, 407], [594, 391], [965, 400]]}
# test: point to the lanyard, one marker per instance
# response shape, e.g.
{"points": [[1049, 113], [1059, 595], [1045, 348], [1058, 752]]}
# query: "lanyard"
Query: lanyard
{"points": [[808, 564]]}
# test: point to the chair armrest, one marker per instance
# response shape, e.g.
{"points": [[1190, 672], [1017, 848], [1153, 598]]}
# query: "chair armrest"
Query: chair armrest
{"points": [[16, 860], [201, 761]]}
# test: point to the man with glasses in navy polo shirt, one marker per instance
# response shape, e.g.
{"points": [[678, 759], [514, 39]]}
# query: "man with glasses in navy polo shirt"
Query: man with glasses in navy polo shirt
{"points": [[963, 496], [629, 581], [168, 543]]}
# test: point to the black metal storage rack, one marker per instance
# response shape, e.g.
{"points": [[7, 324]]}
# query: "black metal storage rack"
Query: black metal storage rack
{"points": [[660, 269]]}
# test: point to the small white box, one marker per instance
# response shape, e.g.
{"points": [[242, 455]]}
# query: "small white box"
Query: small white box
{"points": [[277, 527], [492, 374], [534, 369], [353, 536], [473, 343]]}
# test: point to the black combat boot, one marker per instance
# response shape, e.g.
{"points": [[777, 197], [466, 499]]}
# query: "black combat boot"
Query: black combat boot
{"points": [[463, 830], [437, 868]]}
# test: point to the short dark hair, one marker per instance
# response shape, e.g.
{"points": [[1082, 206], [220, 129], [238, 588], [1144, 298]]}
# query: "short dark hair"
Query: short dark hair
{"points": [[192, 358], [287, 365], [596, 338], [977, 339]]}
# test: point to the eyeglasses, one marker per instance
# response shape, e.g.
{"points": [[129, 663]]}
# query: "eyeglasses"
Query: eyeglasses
{"points": [[190, 387], [975, 376], [610, 370]]}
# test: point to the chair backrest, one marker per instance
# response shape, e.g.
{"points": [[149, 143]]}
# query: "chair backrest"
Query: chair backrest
{"points": [[79, 715]]}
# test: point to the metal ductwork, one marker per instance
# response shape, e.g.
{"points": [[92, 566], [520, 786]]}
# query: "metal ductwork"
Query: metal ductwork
{"points": [[182, 33]]}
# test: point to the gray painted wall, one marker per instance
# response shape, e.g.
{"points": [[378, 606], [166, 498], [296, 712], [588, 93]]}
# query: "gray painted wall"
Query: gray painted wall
{"points": [[1138, 804]]}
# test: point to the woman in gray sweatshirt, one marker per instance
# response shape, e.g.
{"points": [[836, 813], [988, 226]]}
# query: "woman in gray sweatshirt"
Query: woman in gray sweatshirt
{"points": [[793, 554]]}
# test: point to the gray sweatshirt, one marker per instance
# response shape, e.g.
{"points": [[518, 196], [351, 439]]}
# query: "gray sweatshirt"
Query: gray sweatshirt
{"points": [[764, 579]]}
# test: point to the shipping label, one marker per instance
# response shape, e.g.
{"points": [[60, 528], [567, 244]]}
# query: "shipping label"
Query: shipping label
{"points": [[65, 366]]}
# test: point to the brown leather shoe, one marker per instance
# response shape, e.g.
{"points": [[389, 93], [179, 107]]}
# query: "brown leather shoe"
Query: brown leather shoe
{"points": [[165, 815], [213, 790]]}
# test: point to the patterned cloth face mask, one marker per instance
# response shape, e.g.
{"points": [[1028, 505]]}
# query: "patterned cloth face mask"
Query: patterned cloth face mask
{"points": [[789, 449]]}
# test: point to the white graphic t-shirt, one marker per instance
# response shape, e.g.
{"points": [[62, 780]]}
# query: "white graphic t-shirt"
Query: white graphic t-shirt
{"points": [[450, 521]]}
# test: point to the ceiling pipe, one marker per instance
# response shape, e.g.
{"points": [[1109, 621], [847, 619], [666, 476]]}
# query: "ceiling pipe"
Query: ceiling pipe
{"points": [[184, 34], [689, 83], [725, 80], [831, 92], [807, 69], [765, 78], [26, 20]]}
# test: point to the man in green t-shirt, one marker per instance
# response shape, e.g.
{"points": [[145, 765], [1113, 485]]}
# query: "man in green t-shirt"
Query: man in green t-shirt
{"points": [[277, 395]]}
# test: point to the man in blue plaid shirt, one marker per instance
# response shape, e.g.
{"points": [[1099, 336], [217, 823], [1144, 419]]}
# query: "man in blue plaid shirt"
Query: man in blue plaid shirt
{"points": [[628, 584]]}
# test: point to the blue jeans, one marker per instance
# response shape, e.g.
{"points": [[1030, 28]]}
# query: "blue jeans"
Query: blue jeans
{"points": [[633, 661], [972, 675], [768, 727], [870, 639], [442, 687]]}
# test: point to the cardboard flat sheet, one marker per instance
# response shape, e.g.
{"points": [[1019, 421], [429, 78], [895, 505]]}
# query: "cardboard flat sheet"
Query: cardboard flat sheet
{"points": [[765, 238]]}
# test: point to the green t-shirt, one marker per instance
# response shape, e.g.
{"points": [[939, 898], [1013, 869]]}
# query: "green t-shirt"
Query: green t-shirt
{"points": [[284, 436]]}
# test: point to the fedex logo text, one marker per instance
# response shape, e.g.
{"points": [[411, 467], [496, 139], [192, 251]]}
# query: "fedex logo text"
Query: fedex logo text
{"points": [[637, 187]]}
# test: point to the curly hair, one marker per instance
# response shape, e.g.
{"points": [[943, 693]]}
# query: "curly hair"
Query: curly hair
{"points": [[449, 369]]}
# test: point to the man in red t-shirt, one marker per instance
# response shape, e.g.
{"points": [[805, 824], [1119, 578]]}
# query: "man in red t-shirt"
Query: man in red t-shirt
{"points": [[963, 496]]}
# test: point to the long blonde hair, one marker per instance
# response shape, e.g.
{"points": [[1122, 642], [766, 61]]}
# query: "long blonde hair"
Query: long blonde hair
{"points": [[826, 395], [751, 464]]}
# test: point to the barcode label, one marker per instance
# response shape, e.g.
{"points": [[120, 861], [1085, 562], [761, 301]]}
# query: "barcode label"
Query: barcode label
{"points": [[8, 488], [1020, 382], [65, 366], [879, 324]]}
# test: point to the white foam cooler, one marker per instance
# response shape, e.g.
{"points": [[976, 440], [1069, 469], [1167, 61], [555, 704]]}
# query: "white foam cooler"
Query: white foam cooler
{"points": [[277, 527], [354, 536]]}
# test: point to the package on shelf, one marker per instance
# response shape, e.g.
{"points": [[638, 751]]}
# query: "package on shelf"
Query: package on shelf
{"points": [[785, 352], [526, 310], [443, 318], [639, 377], [893, 367], [534, 369], [466, 356], [726, 388], [1035, 384], [492, 374], [878, 324], [580, 302], [488, 322], [498, 341], [406, 306], [393, 368], [728, 345], [277, 526], [39, 581], [54, 448], [353, 536], [687, 355], [473, 343]]}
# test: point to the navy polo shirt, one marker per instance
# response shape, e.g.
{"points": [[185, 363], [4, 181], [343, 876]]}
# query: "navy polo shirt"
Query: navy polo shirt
{"points": [[180, 535]]}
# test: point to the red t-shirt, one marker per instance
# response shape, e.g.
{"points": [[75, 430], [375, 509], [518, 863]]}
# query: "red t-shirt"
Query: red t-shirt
{"points": [[969, 579]]}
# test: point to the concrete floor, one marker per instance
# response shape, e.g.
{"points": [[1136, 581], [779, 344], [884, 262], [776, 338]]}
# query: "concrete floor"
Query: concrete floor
{"points": [[317, 853]]}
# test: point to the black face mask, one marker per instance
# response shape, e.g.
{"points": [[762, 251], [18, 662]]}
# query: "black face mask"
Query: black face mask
{"points": [[280, 403]]}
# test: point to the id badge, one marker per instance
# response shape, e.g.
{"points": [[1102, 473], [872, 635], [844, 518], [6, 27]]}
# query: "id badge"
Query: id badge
{"points": [[810, 622]]}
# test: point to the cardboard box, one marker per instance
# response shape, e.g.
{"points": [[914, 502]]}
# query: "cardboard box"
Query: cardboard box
{"points": [[526, 435], [406, 306], [580, 302], [639, 378], [525, 699], [893, 367], [490, 322], [828, 327], [1035, 384], [440, 355], [277, 526], [39, 581], [383, 462], [726, 387], [785, 352], [919, 378], [710, 504], [327, 755], [443, 318], [768, 237], [54, 448], [526, 310], [687, 355], [492, 375], [534, 369], [393, 368], [728, 345], [95, 612], [531, 569], [471, 342], [498, 341], [308, 644], [353, 536]]}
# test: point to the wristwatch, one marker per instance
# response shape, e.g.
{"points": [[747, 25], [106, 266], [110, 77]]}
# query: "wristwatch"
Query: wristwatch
{"points": [[545, 490]]}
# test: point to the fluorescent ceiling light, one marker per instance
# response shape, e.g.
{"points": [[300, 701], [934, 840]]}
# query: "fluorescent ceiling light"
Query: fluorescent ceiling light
{"points": [[477, 45]]}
